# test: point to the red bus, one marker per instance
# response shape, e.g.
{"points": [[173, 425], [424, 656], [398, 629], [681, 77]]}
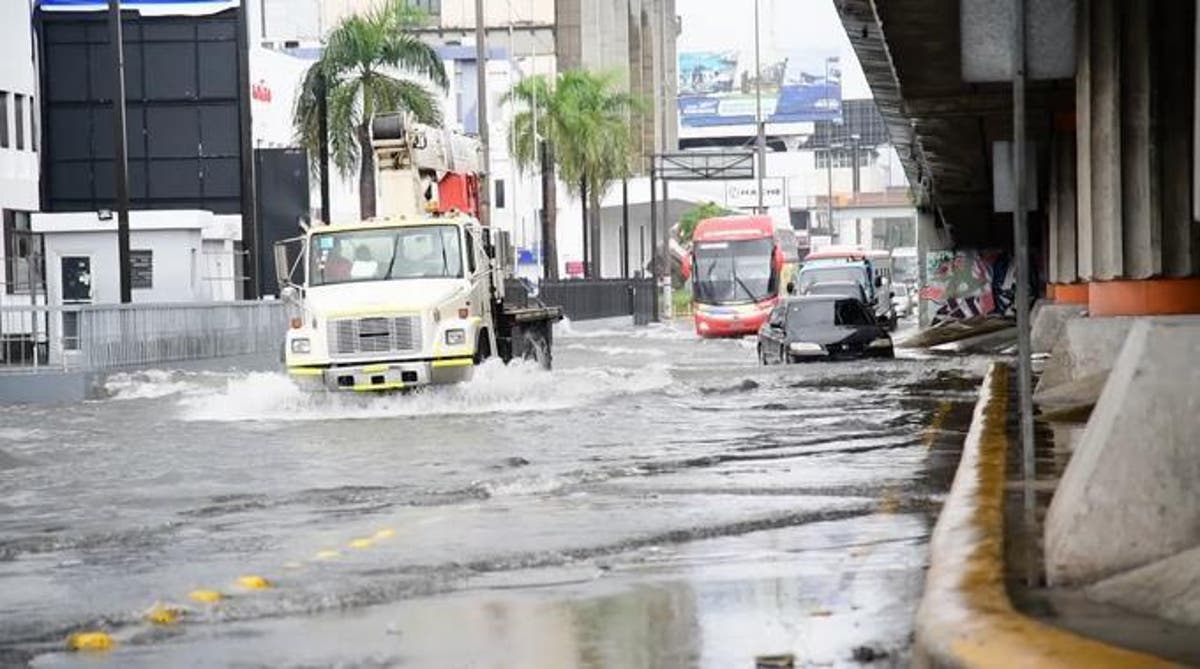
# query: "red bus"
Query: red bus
{"points": [[739, 266]]}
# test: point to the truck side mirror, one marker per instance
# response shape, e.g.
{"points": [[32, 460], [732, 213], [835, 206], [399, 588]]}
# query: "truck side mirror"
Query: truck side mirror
{"points": [[289, 294]]}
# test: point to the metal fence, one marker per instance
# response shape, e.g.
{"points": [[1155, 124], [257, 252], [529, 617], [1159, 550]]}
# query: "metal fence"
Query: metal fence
{"points": [[99, 337], [589, 299]]}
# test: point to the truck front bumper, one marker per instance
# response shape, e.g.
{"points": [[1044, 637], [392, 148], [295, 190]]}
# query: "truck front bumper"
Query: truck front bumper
{"points": [[381, 376]]}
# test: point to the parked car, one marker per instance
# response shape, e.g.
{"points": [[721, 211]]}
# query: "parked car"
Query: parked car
{"points": [[816, 327]]}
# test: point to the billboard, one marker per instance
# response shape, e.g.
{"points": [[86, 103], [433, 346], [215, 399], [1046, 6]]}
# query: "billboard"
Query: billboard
{"points": [[717, 88]]}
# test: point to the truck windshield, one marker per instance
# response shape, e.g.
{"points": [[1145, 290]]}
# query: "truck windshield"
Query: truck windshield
{"points": [[732, 272], [423, 252]]}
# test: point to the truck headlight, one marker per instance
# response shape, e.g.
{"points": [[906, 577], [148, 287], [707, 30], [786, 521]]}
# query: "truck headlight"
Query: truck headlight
{"points": [[301, 345], [456, 337], [881, 342]]}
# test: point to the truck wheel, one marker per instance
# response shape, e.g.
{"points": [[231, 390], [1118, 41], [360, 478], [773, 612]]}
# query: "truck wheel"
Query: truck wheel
{"points": [[536, 349], [483, 348]]}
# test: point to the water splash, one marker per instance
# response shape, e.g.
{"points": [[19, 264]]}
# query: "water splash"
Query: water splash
{"points": [[496, 388]]}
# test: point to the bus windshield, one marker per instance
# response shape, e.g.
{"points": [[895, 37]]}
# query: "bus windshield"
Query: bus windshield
{"points": [[421, 252], [733, 272]]}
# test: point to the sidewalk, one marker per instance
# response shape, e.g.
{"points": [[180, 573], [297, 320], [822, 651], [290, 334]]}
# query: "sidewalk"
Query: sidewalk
{"points": [[1025, 579], [967, 616]]}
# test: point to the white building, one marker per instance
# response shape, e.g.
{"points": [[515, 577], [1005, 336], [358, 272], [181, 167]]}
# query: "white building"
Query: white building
{"points": [[19, 163], [175, 256]]}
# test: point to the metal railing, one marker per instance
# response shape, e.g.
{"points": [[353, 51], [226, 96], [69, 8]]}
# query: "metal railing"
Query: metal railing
{"points": [[589, 299], [101, 337]]}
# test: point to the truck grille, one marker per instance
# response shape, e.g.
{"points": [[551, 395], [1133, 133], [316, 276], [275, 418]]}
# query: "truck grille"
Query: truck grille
{"points": [[392, 334]]}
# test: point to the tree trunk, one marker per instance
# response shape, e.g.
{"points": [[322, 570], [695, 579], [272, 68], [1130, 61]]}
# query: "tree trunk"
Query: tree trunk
{"points": [[583, 221], [366, 174], [549, 216], [594, 215]]}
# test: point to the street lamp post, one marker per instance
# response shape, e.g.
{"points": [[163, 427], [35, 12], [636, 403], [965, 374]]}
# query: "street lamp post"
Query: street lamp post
{"points": [[761, 142], [829, 182]]}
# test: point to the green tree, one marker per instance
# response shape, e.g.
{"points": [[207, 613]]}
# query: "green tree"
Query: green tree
{"points": [[583, 125], [356, 73], [688, 221]]}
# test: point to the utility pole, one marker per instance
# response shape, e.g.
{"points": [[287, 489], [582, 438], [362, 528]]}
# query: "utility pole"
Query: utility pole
{"points": [[251, 232], [830, 146], [481, 103], [120, 141], [761, 142], [1021, 242], [323, 137]]}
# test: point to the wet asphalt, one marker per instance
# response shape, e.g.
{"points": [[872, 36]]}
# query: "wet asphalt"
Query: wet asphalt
{"points": [[655, 501]]}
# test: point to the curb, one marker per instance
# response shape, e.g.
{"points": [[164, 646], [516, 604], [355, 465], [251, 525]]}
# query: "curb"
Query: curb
{"points": [[966, 618]]}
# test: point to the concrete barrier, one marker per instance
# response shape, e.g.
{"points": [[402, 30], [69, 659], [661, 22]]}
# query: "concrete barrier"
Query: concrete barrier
{"points": [[1129, 495], [1086, 346], [1048, 321], [48, 386], [966, 618], [1168, 589]]}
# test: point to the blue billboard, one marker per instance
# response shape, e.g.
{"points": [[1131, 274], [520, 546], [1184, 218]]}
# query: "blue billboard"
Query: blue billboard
{"points": [[718, 88]]}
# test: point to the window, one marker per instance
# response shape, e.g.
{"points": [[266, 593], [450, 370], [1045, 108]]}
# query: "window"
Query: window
{"points": [[851, 312], [499, 193], [470, 237], [19, 120], [3, 119], [23, 262], [141, 268], [33, 133], [843, 157]]}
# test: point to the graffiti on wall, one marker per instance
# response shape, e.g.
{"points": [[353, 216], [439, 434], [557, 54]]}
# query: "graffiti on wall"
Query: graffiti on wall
{"points": [[968, 283]]}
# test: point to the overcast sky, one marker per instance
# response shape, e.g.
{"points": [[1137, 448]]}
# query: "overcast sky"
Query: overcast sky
{"points": [[786, 26]]}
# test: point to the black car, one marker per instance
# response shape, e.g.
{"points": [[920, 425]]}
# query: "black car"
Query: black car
{"points": [[818, 327]]}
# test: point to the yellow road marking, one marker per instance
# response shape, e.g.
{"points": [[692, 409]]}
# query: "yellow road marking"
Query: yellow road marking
{"points": [[163, 614], [90, 641], [362, 543], [205, 596], [254, 582], [385, 533], [327, 555]]}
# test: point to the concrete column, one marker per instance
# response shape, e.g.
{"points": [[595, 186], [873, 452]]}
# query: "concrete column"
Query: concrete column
{"points": [[1141, 212], [1105, 66], [1063, 252], [1083, 131], [1174, 41]]}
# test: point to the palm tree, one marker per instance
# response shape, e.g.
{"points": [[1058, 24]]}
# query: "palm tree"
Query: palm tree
{"points": [[355, 73], [584, 121]]}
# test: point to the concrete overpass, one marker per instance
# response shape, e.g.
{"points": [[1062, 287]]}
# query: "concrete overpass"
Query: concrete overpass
{"points": [[1115, 235]]}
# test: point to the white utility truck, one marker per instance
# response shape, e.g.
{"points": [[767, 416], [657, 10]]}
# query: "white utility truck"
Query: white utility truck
{"points": [[407, 299]]}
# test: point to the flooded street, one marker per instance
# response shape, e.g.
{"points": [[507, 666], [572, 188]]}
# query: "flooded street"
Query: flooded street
{"points": [[655, 501]]}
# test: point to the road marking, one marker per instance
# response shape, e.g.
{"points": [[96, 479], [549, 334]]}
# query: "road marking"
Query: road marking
{"points": [[254, 583], [328, 555], [205, 596], [362, 543], [385, 533], [163, 614], [90, 641]]}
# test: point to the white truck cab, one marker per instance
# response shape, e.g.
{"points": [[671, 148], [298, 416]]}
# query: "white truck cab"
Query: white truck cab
{"points": [[403, 302]]}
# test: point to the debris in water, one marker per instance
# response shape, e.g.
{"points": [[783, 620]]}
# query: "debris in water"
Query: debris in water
{"points": [[163, 614], [745, 385], [868, 654], [515, 461], [254, 583], [205, 596]]}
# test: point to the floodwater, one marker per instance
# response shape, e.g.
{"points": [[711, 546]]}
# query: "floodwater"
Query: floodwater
{"points": [[655, 501]]}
